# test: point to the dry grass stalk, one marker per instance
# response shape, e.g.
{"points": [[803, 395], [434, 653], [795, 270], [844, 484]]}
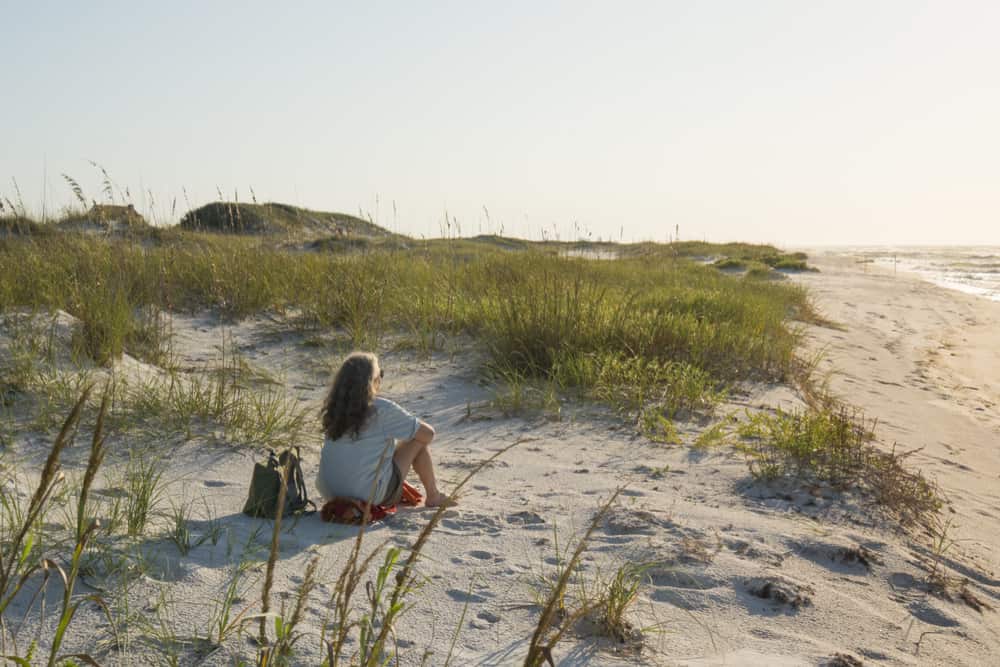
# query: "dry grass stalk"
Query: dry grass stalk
{"points": [[83, 535], [12, 563], [405, 579], [543, 640], [97, 452], [16, 564]]}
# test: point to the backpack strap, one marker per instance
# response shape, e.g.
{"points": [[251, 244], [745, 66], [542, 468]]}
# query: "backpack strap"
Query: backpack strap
{"points": [[300, 484]]}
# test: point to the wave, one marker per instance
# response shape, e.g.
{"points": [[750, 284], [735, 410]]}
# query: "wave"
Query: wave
{"points": [[970, 270]]}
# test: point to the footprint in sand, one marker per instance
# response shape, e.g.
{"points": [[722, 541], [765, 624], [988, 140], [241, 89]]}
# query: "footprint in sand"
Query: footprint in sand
{"points": [[923, 611], [902, 581], [466, 596], [526, 519], [470, 524], [675, 578], [486, 555], [163, 568], [621, 521], [488, 616], [854, 559], [215, 483], [780, 590], [685, 590], [689, 600], [842, 660]]}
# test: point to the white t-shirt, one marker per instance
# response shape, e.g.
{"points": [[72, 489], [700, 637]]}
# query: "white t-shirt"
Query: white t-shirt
{"points": [[349, 466]]}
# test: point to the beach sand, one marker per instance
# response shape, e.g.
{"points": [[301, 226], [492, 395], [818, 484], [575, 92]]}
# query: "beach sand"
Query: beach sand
{"points": [[835, 578], [926, 362]]}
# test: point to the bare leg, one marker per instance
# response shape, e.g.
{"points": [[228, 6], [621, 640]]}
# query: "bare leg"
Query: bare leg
{"points": [[424, 468], [415, 453]]}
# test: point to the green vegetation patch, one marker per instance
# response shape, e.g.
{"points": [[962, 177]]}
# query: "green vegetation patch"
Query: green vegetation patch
{"points": [[730, 263], [636, 332], [757, 261], [831, 443], [16, 225]]}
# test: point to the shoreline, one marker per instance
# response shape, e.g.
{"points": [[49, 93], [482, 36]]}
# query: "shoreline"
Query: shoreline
{"points": [[910, 260]]}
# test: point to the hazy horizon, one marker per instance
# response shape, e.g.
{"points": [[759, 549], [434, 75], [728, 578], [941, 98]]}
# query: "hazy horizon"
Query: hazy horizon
{"points": [[841, 125]]}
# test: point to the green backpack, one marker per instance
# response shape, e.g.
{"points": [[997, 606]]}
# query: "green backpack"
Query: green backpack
{"points": [[265, 486]]}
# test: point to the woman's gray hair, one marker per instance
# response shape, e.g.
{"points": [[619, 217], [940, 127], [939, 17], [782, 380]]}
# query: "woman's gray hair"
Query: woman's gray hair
{"points": [[349, 404]]}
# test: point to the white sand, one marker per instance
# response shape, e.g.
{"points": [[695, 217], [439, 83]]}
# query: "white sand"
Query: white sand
{"points": [[923, 360]]}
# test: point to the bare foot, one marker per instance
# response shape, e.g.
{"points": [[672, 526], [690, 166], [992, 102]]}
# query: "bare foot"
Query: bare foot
{"points": [[439, 499]]}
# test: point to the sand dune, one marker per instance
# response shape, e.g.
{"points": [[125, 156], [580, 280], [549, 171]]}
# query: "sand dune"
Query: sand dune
{"points": [[739, 573]]}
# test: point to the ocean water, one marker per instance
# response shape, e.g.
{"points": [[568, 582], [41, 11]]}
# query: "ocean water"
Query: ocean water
{"points": [[973, 270]]}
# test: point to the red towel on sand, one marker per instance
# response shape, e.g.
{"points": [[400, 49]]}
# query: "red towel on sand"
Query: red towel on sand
{"points": [[340, 509]]}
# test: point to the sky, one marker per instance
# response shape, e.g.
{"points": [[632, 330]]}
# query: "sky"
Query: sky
{"points": [[795, 123]]}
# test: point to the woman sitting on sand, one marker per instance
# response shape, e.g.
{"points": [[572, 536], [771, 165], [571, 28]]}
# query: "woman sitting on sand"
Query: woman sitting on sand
{"points": [[361, 458]]}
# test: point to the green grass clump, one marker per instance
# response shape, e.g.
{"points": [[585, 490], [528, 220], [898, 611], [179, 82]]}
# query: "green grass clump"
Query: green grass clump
{"points": [[105, 322], [143, 486], [834, 444], [758, 261], [825, 444], [788, 263], [619, 594], [760, 272], [224, 396], [712, 436], [632, 382], [731, 263]]}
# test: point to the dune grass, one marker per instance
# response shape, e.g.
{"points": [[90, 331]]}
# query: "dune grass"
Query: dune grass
{"points": [[652, 329], [653, 333]]}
